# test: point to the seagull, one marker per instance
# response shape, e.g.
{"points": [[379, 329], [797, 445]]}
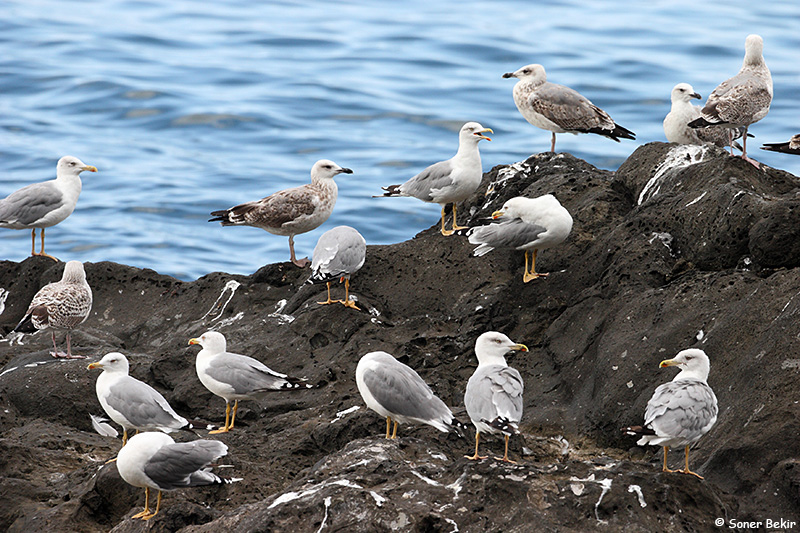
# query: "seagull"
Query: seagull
{"points": [[155, 461], [791, 147], [682, 410], [236, 377], [339, 253], [62, 304], [396, 391], [529, 224], [129, 402], [743, 99], [45, 204], [290, 211], [560, 109], [451, 181], [676, 123], [494, 392]]}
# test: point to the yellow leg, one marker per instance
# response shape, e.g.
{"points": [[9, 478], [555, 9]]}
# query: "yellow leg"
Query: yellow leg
{"points": [[455, 223], [394, 433], [505, 455], [233, 415], [531, 274], [124, 436], [445, 232], [225, 428], [476, 456], [665, 469], [146, 504], [388, 426], [33, 241], [346, 302], [686, 468], [328, 301], [41, 251], [158, 508]]}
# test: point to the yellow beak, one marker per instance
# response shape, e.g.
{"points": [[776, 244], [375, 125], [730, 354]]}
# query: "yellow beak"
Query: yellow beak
{"points": [[519, 348], [478, 133], [194, 341], [668, 362], [92, 366], [90, 168], [498, 214]]}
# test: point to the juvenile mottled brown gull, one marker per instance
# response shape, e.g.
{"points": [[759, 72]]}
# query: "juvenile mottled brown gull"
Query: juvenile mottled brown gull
{"points": [[791, 147], [129, 402], [41, 205], [560, 109], [529, 224], [396, 391], [743, 99], [451, 181], [339, 253], [236, 377], [62, 304], [676, 123], [292, 211], [494, 392], [155, 461], [682, 410]]}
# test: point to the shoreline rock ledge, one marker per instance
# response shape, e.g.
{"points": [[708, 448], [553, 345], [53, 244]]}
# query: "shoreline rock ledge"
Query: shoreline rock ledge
{"points": [[681, 247]]}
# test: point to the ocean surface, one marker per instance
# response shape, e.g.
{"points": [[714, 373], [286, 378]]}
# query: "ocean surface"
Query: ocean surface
{"points": [[187, 106]]}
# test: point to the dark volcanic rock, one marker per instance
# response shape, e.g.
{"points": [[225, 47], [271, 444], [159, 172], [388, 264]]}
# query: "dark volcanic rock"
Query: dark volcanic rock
{"points": [[664, 255]]}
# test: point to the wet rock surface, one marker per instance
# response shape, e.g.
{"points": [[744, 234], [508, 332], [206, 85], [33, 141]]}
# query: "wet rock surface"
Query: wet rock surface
{"points": [[681, 247]]}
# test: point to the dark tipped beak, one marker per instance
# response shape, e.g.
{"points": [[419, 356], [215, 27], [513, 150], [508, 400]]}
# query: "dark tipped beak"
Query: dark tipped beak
{"points": [[345, 171], [696, 95], [508, 75]]}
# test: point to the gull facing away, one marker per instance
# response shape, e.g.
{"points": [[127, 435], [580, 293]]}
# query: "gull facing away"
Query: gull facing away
{"points": [[131, 403], [676, 123], [155, 461], [236, 377], [339, 253], [45, 204], [529, 224], [451, 181], [396, 391], [559, 109], [62, 304], [743, 99], [292, 211], [494, 392], [682, 410], [791, 147]]}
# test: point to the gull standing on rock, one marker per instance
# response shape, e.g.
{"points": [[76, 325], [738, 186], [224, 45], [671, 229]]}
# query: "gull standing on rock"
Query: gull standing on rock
{"points": [[339, 253], [791, 147], [129, 402], [559, 109], [62, 304], [41, 205], [451, 181], [155, 461], [292, 211], [743, 99], [529, 224], [682, 410], [236, 377], [396, 391], [494, 392], [676, 123]]}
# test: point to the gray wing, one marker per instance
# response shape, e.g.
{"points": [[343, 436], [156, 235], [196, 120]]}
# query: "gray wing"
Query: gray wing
{"points": [[30, 203], [685, 408], [569, 109], [400, 390], [433, 178], [738, 100], [179, 464], [142, 405], [339, 252], [245, 374], [507, 234], [492, 392]]}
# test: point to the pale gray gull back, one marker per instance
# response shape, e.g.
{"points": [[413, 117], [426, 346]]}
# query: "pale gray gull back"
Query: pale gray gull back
{"points": [[340, 252]]}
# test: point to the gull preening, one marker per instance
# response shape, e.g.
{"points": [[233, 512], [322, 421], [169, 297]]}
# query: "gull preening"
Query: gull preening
{"points": [[236, 377], [743, 99], [676, 123], [339, 253], [529, 224], [45, 204], [397, 392], [451, 181], [292, 211], [494, 392], [63, 304], [131, 403], [790, 147], [155, 461], [682, 410], [559, 109]]}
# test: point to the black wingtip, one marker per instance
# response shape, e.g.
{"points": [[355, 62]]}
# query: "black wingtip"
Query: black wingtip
{"points": [[700, 123]]}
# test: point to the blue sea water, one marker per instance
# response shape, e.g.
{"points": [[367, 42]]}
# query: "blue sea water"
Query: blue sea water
{"points": [[188, 106]]}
